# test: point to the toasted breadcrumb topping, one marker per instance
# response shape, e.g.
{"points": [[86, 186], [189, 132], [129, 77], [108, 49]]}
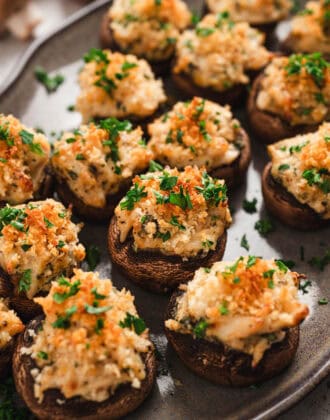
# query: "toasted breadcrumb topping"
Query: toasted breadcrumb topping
{"points": [[98, 160], [219, 53], [196, 132], [148, 28], [310, 28], [175, 212], [297, 88], [246, 304], [91, 341], [38, 242], [24, 155], [302, 165], [252, 11], [117, 85], [10, 324]]}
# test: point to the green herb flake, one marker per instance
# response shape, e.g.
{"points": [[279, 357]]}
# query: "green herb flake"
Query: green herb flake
{"points": [[250, 206], [25, 281], [132, 321], [245, 243], [97, 310], [97, 295], [28, 139], [223, 309], [282, 266], [99, 326], [264, 226], [167, 182], [48, 223], [284, 167], [200, 328], [134, 195], [174, 221], [42, 355], [73, 290], [323, 301], [155, 166], [93, 256], [26, 247], [51, 83]]}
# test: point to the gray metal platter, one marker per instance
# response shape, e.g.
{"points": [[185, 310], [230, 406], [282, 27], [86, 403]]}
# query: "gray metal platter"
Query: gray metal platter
{"points": [[178, 393]]}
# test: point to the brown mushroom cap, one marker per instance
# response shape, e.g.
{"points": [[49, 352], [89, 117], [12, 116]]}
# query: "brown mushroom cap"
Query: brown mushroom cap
{"points": [[6, 354], [123, 401], [225, 366], [267, 127], [234, 173], [286, 207], [155, 271]]}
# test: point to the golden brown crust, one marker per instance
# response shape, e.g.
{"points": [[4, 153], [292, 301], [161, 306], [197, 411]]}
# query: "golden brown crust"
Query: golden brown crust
{"points": [[125, 399], [286, 207], [267, 127], [107, 41], [6, 354], [225, 366], [234, 173], [155, 271]]}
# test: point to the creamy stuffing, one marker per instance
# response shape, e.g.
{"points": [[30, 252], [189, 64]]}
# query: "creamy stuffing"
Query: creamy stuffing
{"points": [[302, 166], [245, 304], [24, 156], [10, 324], [198, 132], [91, 342], [117, 85], [148, 28], [175, 212], [99, 159], [310, 29], [38, 242], [219, 53], [296, 88], [252, 11]]}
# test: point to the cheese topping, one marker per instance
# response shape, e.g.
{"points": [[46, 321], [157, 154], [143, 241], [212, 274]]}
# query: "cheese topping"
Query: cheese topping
{"points": [[176, 213], [97, 160], [148, 28], [38, 242], [246, 304], [297, 88], [310, 29], [218, 53], [10, 324], [198, 132], [252, 11], [92, 339], [117, 85], [302, 165], [24, 155]]}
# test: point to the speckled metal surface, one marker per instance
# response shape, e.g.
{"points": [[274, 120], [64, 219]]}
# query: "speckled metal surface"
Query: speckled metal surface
{"points": [[178, 394]]}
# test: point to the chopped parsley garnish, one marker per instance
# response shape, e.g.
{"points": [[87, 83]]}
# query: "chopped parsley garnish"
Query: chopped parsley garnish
{"points": [[71, 140], [303, 286], [163, 236], [80, 156], [199, 109], [95, 310], [97, 295], [222, 18], [96, 55], [27, 138], [323, 301], [132, 321], [245, 243], [251, 261], [204, 32], [236, 280], [26, 247], [211, 190], [50, 83], [207, 269], [282, 266], [297, 148], [5, 135], [167, 182], [133, 196], [232, 269], [3, 160], [320, 262], [314, 65], [174, 221], [60, 244], [25, 281], [314, 177], [194, 19], [93, 256], [200, 328], [223, 308], [264, 226], [284, 167], [42, 355], [73, 290], [207, 243], [203, 131], [12, 216], [63, 321], [127, 66], [271, 284], [268, 274], [180, 199], [250, 206], [48, 223], [70, 108], [99, 326], [155, 166], [114, 127]]}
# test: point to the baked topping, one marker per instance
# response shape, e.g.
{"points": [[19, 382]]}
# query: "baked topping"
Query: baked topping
{"points": [[196, 132], [302, 165], [245, 304], [297, 88], [10, 324], [310, 29], [24, 155], [218, 53], [118, 85], [252, 11], [38, 242], [91, 340], [99, 159], [148, 28], [176, 213]]}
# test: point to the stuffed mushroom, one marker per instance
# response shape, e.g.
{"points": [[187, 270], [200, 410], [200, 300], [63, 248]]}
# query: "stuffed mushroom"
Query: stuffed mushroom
{"points": [[291, 96], [94, 166], [217, 58], [147, 28], [38, 242], [203, 133], [116, 85], [169, 223], [88, 357], [296, 183], [10, 327], [237, 323], [24, 163]]}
